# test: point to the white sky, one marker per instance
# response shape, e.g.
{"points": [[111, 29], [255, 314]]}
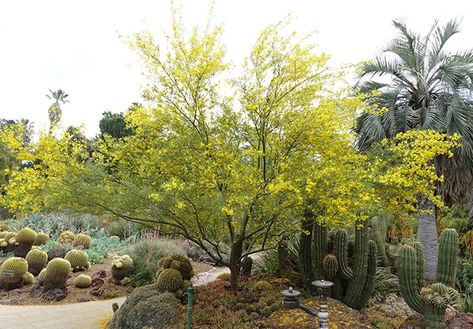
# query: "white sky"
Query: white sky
{"points": [[75, 45]]}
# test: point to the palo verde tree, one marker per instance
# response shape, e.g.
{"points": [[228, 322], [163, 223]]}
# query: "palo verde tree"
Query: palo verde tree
{"points": [[233, 167]]}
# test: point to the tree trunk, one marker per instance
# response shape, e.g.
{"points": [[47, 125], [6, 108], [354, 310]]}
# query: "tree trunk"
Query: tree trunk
{"points": [[235, 257], [427, 235], [284, 263]]}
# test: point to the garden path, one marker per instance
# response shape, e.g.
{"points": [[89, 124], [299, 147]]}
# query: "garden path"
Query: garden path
{"points": [[73, 316]]}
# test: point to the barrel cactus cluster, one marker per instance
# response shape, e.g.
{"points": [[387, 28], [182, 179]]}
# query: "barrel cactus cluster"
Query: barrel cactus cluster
{"points": [[431, 300], [122, 267], [78, 259], [174, 274]]}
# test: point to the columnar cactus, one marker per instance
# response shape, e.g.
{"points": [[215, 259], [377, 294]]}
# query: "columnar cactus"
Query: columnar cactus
{"points": [[24, 241], [378, 234], [12, 272], [41, 238], [83, 281], [352, 285], [431, 300], [82, 240], [122, 266], [79, 260], [56, 274], [37, 260]]}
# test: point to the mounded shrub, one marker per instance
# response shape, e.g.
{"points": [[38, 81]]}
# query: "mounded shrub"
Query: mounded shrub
{"points": [[146, 307], [224, 277], [263, 286]]}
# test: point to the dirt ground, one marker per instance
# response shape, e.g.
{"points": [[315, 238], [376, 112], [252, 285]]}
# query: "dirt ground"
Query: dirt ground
{"points": [[29, 294]]}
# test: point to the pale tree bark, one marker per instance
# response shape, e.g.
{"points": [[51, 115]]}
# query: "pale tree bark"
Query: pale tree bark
{"points": [[427, 235]]}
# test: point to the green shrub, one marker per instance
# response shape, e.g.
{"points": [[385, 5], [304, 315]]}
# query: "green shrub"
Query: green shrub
{"points": [[146, 255], [147, 308], [263, 286]]}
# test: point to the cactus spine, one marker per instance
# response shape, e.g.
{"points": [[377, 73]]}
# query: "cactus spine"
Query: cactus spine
{"points": [[434, 299]]}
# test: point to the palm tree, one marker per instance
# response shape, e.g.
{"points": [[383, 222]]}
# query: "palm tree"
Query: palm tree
{"points": [[421, 85], [54, 111]]}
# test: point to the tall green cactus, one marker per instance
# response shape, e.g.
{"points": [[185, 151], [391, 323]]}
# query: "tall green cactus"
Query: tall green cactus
{"points": [[378, 232], [352, 285], [432, 300]]}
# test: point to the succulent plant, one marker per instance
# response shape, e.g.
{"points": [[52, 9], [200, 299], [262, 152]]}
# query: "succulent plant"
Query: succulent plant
{"points": [[79, 260], [56, 274], [3, 243], [263, 285], [4, 227], [177, 262], [12, 271], [28, 278], [66, 237], [353, 284], [3, 233], [24, 241], [37, 260], [432, 300], [122, 267], [83, 281], [41, 238], [10, 238], [82, 240], [170, 280], [41, 276]]}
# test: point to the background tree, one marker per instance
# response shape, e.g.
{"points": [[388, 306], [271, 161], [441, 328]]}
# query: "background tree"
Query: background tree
{"points": [[114, 125], [417, 84], [54, 111]]}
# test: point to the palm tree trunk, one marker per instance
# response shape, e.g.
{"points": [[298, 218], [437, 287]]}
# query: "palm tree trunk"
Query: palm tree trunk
{"points": [[427, 235]]}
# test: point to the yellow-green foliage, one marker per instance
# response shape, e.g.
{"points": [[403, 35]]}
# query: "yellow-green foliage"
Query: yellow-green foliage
{"points": [[83, 281], [224, 277], [82, 240], [28, 278], [56, 273], [37, 260], [66, 237], [79, 260], [263, 286], [169, 280], [41, 238], [122, 266], [4, 227], [12, 271], [26, 236]]}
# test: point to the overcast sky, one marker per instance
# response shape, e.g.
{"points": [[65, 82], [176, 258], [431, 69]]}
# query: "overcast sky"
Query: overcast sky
{"points": [[75, 45]]}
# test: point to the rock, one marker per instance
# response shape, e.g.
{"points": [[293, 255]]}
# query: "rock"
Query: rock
{"points": [[100, 274], [462, 321], [96, 292], [97, 283], [55, 295], [146, 308]]}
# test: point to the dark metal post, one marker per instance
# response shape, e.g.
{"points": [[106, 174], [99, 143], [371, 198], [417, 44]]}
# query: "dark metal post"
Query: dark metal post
{"points": [[189, 292]]}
